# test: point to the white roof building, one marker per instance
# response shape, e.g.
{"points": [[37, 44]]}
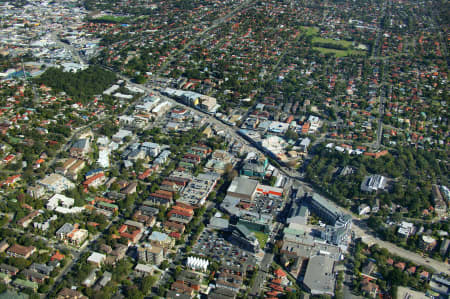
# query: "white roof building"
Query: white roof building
{"points": [[103, 158], [405, 229], [62, 204], [112, 89], [56, 183], [122, 96], [134, 89], [121, 134], [103, 141], [274, 144], [162, 108], [196, 263], [314, 122], [96, 258], [151, 148], [278, 127], [126, 119], [373, 183], [59, 200]]}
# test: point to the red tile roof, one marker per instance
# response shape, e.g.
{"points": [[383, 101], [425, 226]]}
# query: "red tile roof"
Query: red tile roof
{"points": [[57, 256], [279, 273]]}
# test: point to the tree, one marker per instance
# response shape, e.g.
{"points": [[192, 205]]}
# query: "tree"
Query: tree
{"points": [[133, 293], [272, 180], [140, 79], [178, 270], [147, 283], [291, 134], [162, 291], [164, 265]]}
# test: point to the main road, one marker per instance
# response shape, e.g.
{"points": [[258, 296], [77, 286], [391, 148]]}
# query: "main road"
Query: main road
{"points": [[370, 239], [360, 231]]}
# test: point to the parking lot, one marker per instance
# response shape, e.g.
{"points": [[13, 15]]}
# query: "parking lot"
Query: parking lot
{"points": [[267, 205], [211, 244]]}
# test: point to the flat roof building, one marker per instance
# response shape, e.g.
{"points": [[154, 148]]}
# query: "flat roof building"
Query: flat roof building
{"points": [[56, 183], [96, 258], [243, 188], [319, 277], [245, 238], [373, 183]]}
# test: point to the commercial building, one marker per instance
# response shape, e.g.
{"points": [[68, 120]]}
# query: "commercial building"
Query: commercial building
{"points": [[298, 214], [218, 223], [335, 235], [269, 191], [208, 103], [326, 210], [198, 190], [245, 239], [427, 243], [319, 277], [255, 165], [243, 188], [298, 245]]}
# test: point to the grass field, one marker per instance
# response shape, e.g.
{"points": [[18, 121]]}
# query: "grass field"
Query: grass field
{"points": [[340, 53], [318, 41], [343, 43], [262, 238], [112, 19], [310, 30]]}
